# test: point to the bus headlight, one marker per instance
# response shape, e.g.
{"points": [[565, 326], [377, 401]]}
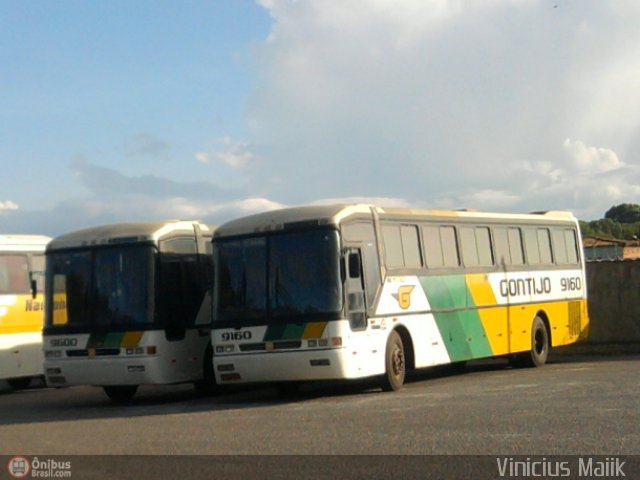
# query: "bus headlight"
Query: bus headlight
{"points": [[225, 348]]}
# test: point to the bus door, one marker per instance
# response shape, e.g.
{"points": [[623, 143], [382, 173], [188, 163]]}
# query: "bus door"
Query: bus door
{"points": [[360, 339], [356, 305]]}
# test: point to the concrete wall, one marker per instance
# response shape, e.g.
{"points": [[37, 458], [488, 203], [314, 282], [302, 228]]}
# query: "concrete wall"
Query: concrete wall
{"points": [[614, 301]]}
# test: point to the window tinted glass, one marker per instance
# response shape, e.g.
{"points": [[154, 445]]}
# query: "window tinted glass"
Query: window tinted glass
{"points": [[433, 246], [304, 273], [531, 246], [515, 246], [559, 246], [410, 246], [483, 241], [37, 271], [14, 274], [469, 248], [392, 246], [449, 246], [184, 245], [69, 279], [572, 246], [544, 244], [122, 279], [242, 279], [501, 245]]}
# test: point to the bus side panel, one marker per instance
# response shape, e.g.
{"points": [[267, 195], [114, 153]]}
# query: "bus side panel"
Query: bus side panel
{"points": [[21, 319], [459, 322]]}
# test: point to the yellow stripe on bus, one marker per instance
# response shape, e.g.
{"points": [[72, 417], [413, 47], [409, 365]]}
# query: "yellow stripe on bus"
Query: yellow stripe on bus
{"points": [[494, 319], [314, 330], [131, 339], [21, 314]]}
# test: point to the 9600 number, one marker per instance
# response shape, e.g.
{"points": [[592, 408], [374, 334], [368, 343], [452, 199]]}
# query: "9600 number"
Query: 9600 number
{"points": [[571, 284]]}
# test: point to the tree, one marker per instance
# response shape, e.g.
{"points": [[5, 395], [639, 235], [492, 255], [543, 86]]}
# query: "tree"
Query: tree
{"points": [[624, 213], [620, 222]]}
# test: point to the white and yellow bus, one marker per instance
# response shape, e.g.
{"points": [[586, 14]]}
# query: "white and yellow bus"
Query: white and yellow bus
{"points": [[129, 304], [21, 308], [353, 291]]}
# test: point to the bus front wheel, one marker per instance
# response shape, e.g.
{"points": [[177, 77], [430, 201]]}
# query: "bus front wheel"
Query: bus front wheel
{"points": [[19, 383], [395, 364], [120, 393], [207, 384]]}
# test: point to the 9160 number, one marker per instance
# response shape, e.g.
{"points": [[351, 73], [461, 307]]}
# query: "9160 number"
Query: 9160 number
{"points": [[570, 284], [229, 336]]}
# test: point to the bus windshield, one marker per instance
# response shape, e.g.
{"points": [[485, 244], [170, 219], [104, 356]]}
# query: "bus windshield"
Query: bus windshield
{"points": [[101, 287], [278, 277]]}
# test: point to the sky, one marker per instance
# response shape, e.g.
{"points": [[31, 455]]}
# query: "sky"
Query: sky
{"points": [[148, 110]]}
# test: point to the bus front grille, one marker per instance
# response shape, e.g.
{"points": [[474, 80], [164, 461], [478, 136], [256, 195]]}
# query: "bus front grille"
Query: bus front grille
{"points": [[98, 352], [267, 346]]}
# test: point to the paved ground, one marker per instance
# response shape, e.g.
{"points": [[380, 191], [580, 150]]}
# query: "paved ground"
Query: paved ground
{"points": [[574, 405]]}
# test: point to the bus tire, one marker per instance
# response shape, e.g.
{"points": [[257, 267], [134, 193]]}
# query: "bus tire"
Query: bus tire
{"points": [[207, 384], [120, 393], [395, 364], [540, 345], [19, 383], [288, 389]]}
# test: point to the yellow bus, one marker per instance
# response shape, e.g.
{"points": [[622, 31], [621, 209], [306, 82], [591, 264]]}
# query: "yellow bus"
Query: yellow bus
{"points": [[129, 304], [21, 308], [353, 291]]}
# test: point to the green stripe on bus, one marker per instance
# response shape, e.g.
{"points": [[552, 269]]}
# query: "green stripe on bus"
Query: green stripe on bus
{"points": [[114, 339], [289, 331], [106, 340], [96, 340], [461, 329]]}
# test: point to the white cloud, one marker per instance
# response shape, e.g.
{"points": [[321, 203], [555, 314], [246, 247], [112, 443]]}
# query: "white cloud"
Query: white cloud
{"points": [[450, 103], [8, 205], [591, 159], [235, 155]]}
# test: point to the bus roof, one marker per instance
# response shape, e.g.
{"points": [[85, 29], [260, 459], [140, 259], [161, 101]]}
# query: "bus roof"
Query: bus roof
{"points": [[23, 243], [132, 232], [334, 214]]}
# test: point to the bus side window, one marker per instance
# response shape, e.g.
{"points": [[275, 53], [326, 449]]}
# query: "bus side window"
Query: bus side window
{"points": [[440, 246], [37, 272], [501, 244], [531, 246], [544, 242], [572, 246], [14, 274]]}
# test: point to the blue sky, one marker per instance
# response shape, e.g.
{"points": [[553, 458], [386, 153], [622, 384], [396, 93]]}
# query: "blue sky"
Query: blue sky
{"points": [[123, 111]]}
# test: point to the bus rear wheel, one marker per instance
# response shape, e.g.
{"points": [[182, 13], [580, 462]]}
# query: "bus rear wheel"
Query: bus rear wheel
{"points": [[540, 346], [395, 364], [120, 393]]}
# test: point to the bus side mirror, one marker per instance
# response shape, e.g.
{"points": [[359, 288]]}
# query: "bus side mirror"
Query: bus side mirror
{"points": [[34, 288], [354, 265]]}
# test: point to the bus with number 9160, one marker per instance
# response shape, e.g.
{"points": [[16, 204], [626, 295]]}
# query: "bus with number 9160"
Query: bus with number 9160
{"points": [[354, 291]]}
